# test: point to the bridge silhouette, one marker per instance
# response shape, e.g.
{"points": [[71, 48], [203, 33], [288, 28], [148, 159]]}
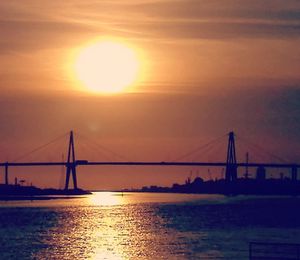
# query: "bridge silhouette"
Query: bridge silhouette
{"points": [[231, 165]]}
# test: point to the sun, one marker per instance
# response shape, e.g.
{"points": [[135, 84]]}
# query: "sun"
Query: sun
{"points": [[107, 67]]}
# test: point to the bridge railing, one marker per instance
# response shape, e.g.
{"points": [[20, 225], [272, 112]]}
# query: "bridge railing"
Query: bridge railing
{"points": [[274, 251]]}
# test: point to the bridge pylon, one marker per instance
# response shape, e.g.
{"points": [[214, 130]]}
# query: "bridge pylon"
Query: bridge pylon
{"points": [[71, 163], [231, 163]]}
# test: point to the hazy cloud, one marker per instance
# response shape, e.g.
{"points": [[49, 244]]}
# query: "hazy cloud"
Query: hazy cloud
{"points": [[52, 23]]}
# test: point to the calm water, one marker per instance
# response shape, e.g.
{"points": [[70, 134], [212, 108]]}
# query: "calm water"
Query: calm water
{"points": [[145, 226]]}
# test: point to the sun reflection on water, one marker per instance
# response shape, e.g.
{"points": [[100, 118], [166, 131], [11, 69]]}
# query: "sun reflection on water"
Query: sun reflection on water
{"points": [[113, 226], [107, 235], [143, 226], [107, 199]]}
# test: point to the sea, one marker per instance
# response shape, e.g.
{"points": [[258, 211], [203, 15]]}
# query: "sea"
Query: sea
{"points": [[114, 225]]}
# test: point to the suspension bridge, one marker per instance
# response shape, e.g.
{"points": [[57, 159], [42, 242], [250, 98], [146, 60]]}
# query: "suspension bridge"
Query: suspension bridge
{"points": [[231, 164]]}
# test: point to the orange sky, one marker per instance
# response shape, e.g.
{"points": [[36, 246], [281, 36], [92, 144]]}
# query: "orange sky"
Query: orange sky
{"points": [[209, 67]]}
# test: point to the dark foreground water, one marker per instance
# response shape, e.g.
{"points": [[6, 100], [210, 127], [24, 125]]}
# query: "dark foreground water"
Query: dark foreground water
{"points": [[145, 226]]}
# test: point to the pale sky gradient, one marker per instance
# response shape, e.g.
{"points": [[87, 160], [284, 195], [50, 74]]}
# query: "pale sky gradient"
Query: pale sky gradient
{"points": [[209, 66]]}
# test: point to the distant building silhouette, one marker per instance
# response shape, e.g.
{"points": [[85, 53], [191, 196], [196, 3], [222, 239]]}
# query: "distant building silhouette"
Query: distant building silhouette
{"points": [[261, 173]]}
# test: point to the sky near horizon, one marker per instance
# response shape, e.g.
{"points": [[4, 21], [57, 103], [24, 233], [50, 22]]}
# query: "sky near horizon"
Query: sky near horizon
{"points": [[207, 67]]}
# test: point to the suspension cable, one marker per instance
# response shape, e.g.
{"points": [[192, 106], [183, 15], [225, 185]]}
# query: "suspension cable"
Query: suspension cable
{"points": [[262, 150], [101, 148], [39, 148], [199, 148]]}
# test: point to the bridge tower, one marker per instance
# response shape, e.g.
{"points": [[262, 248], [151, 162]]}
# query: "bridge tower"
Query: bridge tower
{"points": [[71, 164], [231, 165]]}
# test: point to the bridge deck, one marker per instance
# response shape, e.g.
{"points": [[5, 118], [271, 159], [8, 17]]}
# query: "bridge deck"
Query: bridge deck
{"points": [[210, 164]]}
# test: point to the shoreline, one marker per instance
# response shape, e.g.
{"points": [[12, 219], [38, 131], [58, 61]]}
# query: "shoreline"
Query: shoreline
{"points": [[37, 197]]}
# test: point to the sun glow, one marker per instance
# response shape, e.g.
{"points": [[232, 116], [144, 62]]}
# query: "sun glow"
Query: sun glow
{"points": [[106, 199], [107, 67]]}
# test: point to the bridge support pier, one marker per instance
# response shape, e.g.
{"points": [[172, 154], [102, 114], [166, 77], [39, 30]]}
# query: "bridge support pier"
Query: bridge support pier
{"points": [[71, 164], [231, 164]]}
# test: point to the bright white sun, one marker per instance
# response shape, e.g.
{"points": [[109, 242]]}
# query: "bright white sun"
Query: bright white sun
{"points": [[107, 67]]}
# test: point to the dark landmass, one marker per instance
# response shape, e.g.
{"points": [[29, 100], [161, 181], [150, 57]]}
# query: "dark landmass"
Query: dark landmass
{"points": [[241, 186], [13, 197], [18, 192]]}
